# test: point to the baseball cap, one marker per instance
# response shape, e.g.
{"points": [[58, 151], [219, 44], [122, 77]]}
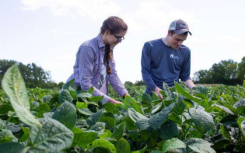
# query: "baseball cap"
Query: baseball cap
{"points": [[179, 27]]}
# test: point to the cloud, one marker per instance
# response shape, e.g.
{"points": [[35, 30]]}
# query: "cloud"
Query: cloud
{"points": [[93, 9], [159, 12], [232, 39]]}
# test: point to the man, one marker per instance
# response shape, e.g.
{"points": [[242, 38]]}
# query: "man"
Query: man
{"points": [[167, 59]]}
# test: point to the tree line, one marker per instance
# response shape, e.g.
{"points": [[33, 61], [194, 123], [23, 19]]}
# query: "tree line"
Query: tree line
{"points": [[33, 75], [226, 72]]}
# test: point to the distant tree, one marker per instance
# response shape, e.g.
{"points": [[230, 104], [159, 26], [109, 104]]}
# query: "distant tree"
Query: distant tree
{"points": [[139, 83], [241, 70], [33, 75], [128, 83]]}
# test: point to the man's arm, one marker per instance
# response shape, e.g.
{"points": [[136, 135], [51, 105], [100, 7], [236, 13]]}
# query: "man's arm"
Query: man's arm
{"points": [[145, 70], [190, 84], [146, 66]]}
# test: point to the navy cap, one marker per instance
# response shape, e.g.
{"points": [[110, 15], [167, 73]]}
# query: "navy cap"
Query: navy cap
{"points": [[179, 27]]}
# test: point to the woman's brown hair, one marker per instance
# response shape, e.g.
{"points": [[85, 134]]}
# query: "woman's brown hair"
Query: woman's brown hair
{"points": [[114, 25]]}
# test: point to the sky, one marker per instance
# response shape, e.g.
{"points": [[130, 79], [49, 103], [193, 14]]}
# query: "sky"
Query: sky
{"points": [[49, 32]]}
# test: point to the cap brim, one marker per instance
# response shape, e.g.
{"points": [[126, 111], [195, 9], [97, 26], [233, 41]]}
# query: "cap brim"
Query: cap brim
{"points": [[182, 31]]}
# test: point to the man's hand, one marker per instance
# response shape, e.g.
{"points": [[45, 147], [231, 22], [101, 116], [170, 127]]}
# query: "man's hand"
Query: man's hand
{"points": [[157, 91], [115, 102]]}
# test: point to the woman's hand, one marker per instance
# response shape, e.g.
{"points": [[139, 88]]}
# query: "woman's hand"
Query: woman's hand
{"points": [[115, 101]]}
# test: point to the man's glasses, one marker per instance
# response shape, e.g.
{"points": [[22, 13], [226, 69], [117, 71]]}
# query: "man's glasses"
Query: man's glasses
{"points": [[119, 38]]}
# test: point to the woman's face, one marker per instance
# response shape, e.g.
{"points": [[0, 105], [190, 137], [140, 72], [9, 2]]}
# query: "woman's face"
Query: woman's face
{"points": [[114, 38]]}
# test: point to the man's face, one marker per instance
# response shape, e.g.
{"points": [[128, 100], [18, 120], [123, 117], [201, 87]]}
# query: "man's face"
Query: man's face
{"points": [[175, 40]]}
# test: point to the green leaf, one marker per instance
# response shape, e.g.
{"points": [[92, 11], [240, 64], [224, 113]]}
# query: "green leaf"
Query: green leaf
{"points": [[65, 96], [123, 146], [111, 108], [203, 121], [156, 108], [14, 86], [188, 103], [41, 109], [101, 143], [129, 102], [222, 109], [53, 136], [173, 143], [142, 124], [96, 98], [109, 119], [84, 138], [168, 130], [91, 90], [47, 98], [6, 134], [225, 132], [158, 119], [119, 130], [91, 120], [200, 90], [26, 134], [98, 127], [181, 91], [81, 105], [241, 124], [199, 145], [70, 85], [146, 98], [84, 95], [66, 114], [14, 147], [135, 116], [85, 111]]}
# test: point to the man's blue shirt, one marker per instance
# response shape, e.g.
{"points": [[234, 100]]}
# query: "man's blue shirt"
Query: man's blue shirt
{"points": [[160, 63]]}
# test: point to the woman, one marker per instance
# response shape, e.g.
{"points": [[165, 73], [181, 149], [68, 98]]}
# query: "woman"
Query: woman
{"points": [[95, 65]]}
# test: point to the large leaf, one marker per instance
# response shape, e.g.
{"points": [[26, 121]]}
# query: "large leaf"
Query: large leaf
{"points": [[129, 102], [173, 143], [111, 108], [222, 109], [146, 98], [54, 136], [109, 119], [91, 120], [199, 145], [203, 121], [142, 124], [66, 114], [200, 90], [123, 146], [5, 135], [225, 132], [84, 138], [65, 96], [101, 143], [181, 91], [168, 130], [135, 116], [241, 124], [98, 127], [158, 119], [14, 147], [119, 130], [14, 87]]}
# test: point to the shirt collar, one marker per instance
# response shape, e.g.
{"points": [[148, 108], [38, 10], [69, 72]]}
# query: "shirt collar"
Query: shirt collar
{"points": [[100, 41]]}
